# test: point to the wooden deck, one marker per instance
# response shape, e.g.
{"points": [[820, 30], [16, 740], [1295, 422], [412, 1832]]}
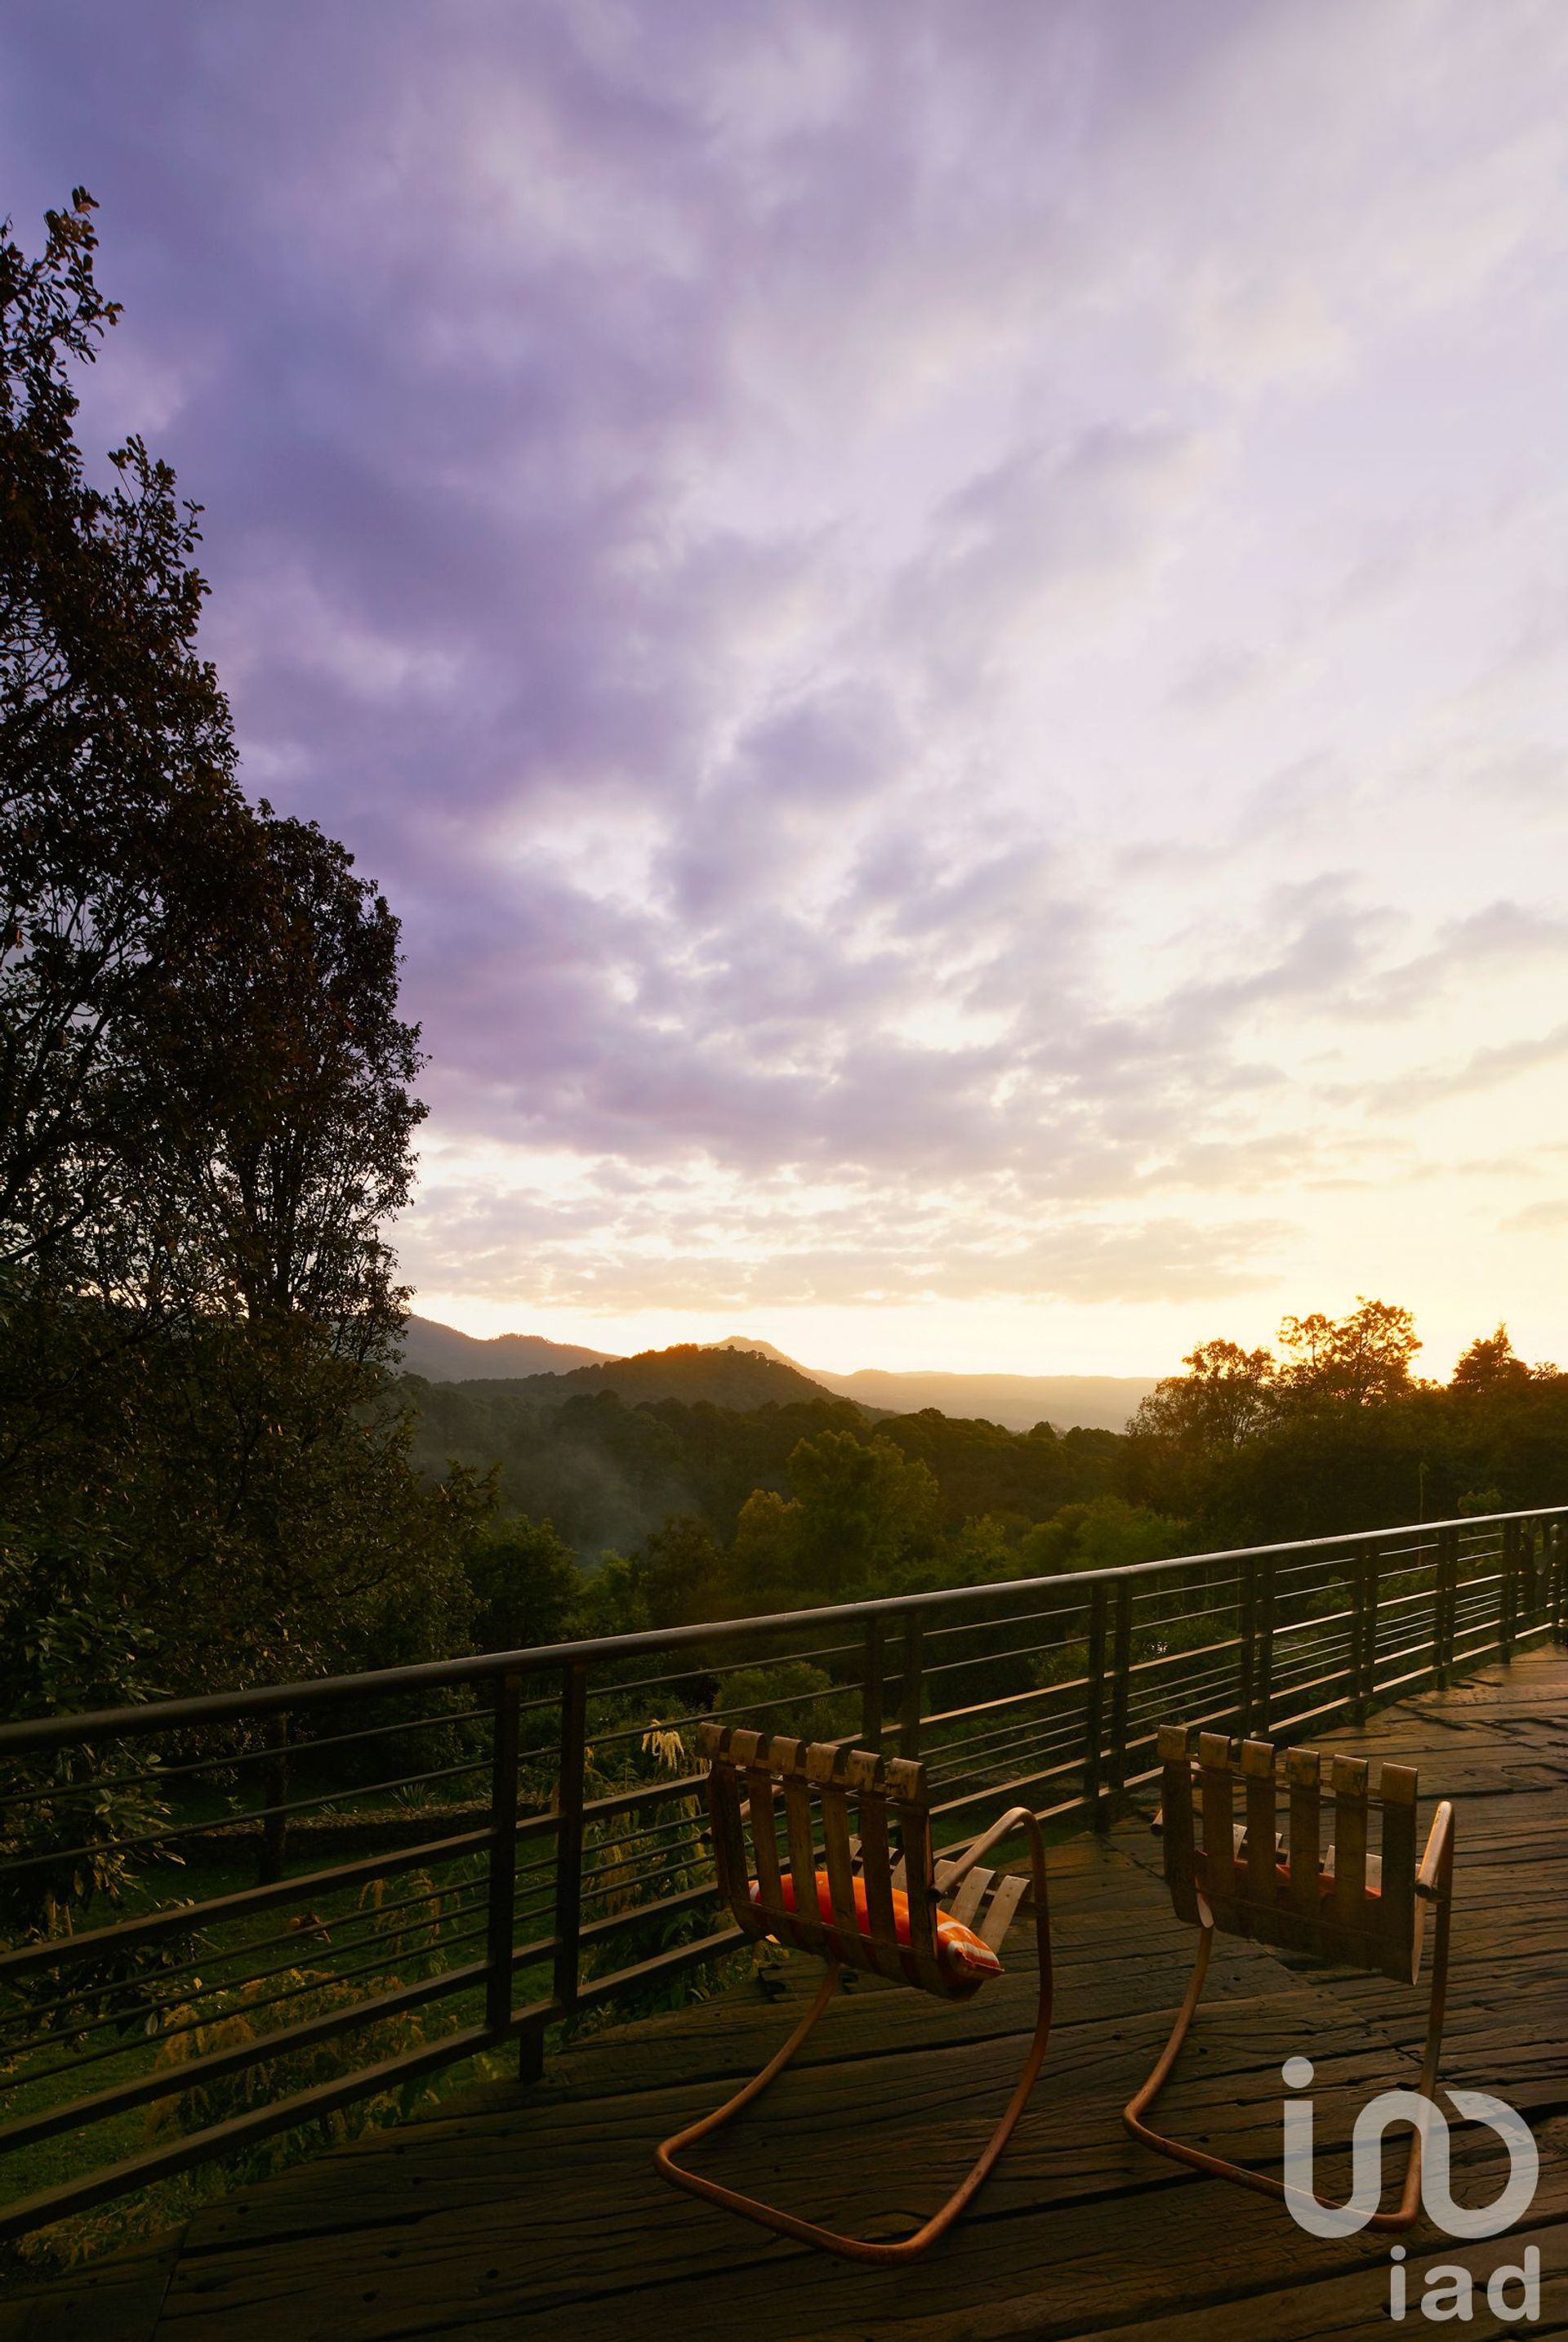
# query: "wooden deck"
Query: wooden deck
{"points": [[536, 2214]]}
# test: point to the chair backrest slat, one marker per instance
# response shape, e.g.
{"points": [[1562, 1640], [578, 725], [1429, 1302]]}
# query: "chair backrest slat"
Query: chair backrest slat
{"points": [[1304, 1776], [1396, 1789], [1347, 1928], [863, 1774], [729, 1841], [824, 1769], [1264, 1881], [1176, 1791], [761, 1800], [787, 1758], [910, 1799], [1219, 1828]]}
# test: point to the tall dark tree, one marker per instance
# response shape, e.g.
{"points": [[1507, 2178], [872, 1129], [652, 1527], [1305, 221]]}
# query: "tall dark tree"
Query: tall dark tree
{"points": [[285, 1106], [206, 1110], [116, 767]]}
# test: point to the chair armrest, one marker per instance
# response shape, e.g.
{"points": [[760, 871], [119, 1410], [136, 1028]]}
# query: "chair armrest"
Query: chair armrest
{"points": [[1435, 1879], [999, 1830]]}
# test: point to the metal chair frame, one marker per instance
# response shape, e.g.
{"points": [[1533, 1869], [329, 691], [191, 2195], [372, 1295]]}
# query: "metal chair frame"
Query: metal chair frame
{"points": [[1346, 1907], [748, 1773]]}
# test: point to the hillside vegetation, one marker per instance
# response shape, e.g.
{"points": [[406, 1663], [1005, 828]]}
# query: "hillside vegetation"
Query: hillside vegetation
{"points": [[614, 1512], [689, 1371]]}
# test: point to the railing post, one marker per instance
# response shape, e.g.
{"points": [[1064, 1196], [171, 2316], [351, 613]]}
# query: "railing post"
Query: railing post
{"points": [[1445, 1621], [1095, 1707], [1261, 1721], [909, 1701], [1546, 1576], [1557, 1554], [1372, 1571], [870, 1685], [1356, 1673], [503, 1895], [273, 1852], [1529, 1576], [569, 1831], [1121, 1685], [1247, 1629], [1508, 1592]]}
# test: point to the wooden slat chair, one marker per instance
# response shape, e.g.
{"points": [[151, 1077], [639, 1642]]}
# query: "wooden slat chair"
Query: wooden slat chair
{"points": [[1345, 1905], [748, 1777]]}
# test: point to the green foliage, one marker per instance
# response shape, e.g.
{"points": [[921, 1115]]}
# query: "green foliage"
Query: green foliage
{"points": [[1107, 1534], [789, 1696], [1341, 1436], [611, 1601], [1359, 1360], [76, 1642], [117, 774], [525, 1584], [861, 1514], [680, 1572]]}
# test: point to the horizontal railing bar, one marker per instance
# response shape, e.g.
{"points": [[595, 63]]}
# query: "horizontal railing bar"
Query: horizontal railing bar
{"points": [[599, 1930], [752, 1708], [220, 1825], [1026, 1781], [295, 1753], [671, 1676], [988, 1706], [1077, 1608], [57, 1951], [593, 1995], [120, 1722], [345, 1923], [172, 2081], [273, 2000]]}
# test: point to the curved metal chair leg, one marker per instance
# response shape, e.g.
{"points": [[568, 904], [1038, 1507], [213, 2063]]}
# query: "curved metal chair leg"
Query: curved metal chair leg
{"points": [[1261, 2182], [861, 2248]]}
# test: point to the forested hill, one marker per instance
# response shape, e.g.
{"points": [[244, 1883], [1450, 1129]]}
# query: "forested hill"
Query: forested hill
{"points": [[720, 1510], [443, 1355], [688, 1371], [1105, 1402], [608, 1470]]}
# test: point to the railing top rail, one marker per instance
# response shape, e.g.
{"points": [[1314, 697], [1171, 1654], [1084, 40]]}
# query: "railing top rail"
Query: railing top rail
{"points": [[270, 1700]]}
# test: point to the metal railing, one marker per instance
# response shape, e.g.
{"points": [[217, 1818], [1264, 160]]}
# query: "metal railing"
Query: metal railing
{"points": [[236, 1914]]}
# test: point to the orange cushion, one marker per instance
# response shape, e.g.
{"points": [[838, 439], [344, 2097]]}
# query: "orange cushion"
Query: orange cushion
{"points": [[1325, 1883], [966, 1957]]}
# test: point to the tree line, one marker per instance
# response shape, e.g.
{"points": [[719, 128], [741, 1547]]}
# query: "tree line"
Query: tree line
{"points": [[728, 1514]]}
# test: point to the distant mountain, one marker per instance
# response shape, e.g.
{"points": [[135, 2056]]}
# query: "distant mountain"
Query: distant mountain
{"points": [[442, 1355], [744, 1372], [1099, 1402], [763, 1350], [689, 1371]]}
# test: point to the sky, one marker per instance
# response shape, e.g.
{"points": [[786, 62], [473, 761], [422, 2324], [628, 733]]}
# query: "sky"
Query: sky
{"points": [[946, 626]]}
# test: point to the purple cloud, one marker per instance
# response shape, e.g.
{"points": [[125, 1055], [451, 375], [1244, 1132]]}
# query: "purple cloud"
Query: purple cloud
{"points": [[925, 618]]}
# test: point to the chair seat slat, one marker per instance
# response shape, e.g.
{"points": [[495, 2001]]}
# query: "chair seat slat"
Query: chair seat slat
{"points": [[970, 1896], [1011, 1889]]}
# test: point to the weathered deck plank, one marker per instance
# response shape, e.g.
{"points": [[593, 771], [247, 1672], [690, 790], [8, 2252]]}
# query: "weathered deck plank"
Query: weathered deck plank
{"points": [[536, 2214]]}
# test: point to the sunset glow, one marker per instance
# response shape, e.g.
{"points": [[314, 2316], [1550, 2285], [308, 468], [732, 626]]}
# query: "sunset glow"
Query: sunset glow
{"points": [[947, 629]]}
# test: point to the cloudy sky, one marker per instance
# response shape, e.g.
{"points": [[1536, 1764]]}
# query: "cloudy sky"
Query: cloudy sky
{"points": [[945, 624]]}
